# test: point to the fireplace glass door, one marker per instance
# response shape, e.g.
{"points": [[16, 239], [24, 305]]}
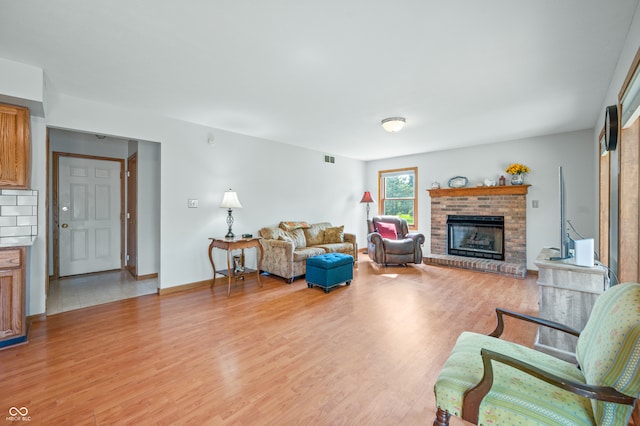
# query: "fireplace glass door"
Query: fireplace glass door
{"points": [[476, 236]]}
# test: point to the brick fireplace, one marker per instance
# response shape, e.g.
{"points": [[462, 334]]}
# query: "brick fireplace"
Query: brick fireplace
{"points": [[509, 202]]}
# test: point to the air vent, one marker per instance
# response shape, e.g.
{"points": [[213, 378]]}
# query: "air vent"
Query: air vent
{"points": [[329, 159]]}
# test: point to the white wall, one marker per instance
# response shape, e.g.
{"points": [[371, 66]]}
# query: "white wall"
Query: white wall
{"points": [[274, 182], [23, 85], [574, 151], [86, 144], [37, 272], [148, 208]]}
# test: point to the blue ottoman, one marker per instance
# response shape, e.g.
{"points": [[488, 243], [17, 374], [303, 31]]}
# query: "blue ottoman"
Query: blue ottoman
{"points": [[328, 270]]}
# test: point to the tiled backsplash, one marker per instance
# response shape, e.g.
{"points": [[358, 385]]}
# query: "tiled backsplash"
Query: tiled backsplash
{"points": [[18, 216]]}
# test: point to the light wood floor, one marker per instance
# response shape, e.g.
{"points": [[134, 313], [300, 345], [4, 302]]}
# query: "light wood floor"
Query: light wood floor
{"points": [[278, 355]]}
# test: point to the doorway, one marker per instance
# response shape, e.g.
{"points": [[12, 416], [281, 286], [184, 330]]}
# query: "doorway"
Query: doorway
{"points": [[80, 288]]}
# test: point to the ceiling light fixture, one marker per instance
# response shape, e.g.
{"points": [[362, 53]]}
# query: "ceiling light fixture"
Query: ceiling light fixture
{"points": [[393, 124]]}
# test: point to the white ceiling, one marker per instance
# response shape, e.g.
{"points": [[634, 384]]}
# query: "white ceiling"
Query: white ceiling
{"points": [[323, 74]]}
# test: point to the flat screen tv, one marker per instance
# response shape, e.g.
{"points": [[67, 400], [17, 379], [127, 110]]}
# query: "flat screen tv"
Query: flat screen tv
{"points": [[563, 230]]}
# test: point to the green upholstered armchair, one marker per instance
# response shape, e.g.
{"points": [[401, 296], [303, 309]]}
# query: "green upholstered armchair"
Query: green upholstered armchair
{"points": [[490, 381]]}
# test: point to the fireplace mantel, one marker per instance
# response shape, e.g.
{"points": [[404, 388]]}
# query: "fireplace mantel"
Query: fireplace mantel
{"points": [[479, 190]]}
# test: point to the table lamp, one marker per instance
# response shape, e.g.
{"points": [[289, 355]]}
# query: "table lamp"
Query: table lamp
{"points": [[230, 201]]}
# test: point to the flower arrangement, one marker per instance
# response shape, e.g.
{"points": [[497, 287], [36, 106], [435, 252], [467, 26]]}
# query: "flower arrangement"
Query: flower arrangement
{"points": [[517, 169]]}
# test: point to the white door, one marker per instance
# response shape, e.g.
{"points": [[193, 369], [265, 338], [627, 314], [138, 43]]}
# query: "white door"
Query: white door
{"points": [[89, 215]]}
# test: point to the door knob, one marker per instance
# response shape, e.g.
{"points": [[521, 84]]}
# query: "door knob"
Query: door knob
{"points": [[64, 225]]}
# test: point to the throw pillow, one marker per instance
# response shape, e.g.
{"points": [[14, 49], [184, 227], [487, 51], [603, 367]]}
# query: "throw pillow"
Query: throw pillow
{"points": [[387, 230], [315, 234], [294, 224], [334, 235]]}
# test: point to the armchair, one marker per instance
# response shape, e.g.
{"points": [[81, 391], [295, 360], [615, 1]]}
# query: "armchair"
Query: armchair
{"points": [[389, 241], [487, 380]]}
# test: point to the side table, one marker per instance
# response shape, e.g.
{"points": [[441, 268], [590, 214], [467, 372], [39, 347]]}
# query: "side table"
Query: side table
{"points": [[230, 244]]}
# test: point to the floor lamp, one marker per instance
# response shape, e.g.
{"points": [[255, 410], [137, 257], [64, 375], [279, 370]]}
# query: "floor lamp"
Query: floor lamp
{"points": [[367, 198]]}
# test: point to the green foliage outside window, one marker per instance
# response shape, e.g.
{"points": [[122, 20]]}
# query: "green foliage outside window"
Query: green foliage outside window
{"points": [[400, 208], [399, 195]]}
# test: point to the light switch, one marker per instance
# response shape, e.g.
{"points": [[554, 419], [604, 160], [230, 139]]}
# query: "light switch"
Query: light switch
{"points": [[193, 204], [535, 204]]}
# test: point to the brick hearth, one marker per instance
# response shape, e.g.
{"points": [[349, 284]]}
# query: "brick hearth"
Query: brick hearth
{"points": [[515, 270], [507, 201]]}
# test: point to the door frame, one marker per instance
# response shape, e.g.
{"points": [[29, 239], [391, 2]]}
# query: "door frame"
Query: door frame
{"points": [[132, 216], [56, 220]]}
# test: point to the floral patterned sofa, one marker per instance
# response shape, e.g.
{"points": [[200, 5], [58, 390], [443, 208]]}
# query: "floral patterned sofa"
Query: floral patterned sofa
{"points": [[288, 245]]}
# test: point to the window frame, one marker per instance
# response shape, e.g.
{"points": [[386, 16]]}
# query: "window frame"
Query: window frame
{"points": [[414, 199], [628, 179], [604, 201]]}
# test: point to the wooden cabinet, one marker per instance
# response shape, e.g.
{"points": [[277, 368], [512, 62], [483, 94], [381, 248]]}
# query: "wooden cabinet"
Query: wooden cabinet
{"points": [[12, 296], [567, 293], [15, 141]]}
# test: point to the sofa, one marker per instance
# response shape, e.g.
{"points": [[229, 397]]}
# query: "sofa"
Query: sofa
{"points": [[287, 246]]}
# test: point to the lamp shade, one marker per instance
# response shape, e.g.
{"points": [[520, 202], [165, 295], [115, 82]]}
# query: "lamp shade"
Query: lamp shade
{"points": [[230, 200], [367, 198], [393, 124]]}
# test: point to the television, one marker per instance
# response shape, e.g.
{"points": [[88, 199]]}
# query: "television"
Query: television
{"points": [[564, 231]]}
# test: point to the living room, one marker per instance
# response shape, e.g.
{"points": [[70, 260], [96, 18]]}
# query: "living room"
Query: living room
{"points": [[278, 181], [200, 162]]}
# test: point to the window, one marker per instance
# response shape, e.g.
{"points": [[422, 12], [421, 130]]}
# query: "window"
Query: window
{"points": [[397, 194]]}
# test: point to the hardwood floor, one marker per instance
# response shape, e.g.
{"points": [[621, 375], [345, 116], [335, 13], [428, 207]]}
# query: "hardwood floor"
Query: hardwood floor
{"points": [[283, 354]]}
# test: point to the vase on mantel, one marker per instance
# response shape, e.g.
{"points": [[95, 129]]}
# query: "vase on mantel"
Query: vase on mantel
{"points": [[517, 179]]}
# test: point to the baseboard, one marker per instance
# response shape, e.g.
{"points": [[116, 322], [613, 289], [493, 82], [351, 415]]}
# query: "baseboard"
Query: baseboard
{"points": [[37, 318], [146, 277], [22, 340], [183, 287], [13, 342]]}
